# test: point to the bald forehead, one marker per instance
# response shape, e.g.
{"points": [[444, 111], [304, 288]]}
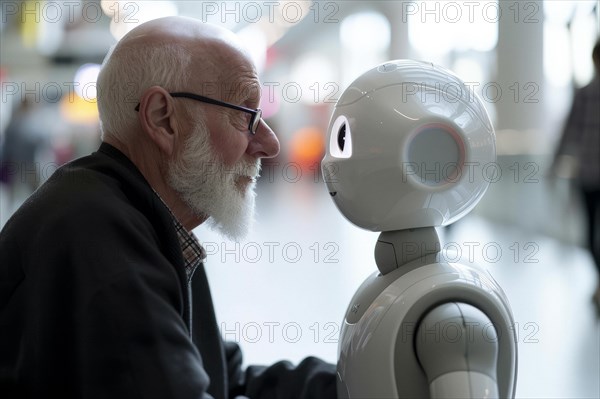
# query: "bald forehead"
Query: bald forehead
{"points": [[223, 73], [218, 55]]}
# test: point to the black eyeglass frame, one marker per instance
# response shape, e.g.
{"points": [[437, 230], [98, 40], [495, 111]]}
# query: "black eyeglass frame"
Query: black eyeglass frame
{"points": [[254, 120]]}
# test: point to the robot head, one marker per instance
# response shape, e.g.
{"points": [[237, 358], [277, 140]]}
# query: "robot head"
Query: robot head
{"points": [[409, 145]]}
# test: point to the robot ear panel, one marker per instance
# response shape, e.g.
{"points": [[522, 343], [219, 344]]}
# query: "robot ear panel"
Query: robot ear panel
{"points": [[340, 138], [436, 153]]}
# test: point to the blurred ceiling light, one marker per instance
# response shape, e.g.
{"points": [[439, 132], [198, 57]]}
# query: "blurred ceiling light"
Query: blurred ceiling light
{"points": [[85, 81], [437, 28], [126, 15], [366, 31]]}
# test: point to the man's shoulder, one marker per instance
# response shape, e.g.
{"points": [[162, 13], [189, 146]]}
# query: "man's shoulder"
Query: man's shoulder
{"points": [[84, 185], [96, 174], [93, 193], [89, 209]]}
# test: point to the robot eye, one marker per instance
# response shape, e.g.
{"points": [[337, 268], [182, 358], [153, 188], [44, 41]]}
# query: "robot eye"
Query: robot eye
{"points": [[340, 143], [341, 139]]}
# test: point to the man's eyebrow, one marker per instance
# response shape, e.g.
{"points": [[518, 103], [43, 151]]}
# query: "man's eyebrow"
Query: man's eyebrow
{"points": [[253, 100], [249, 94]]}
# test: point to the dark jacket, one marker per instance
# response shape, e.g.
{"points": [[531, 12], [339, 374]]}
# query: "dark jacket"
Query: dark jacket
{"points": [[94, 300]]}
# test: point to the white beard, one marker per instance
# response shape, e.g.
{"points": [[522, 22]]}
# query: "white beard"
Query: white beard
{"points": [[209, 187]]}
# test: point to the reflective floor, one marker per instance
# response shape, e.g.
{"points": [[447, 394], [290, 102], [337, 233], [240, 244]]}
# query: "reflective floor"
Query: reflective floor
{"points": [[282, 292]]}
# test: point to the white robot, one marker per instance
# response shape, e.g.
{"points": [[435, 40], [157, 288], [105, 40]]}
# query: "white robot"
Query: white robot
{"points": [[406, 151]]}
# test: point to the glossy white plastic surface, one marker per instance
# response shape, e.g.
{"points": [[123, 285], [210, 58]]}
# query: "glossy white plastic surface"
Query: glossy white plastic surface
{"points": [[376, 350], [463, 384], [409, 145]]}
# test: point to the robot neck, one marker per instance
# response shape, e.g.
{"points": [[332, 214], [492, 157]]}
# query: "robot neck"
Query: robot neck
{"points": [[397, 248]]}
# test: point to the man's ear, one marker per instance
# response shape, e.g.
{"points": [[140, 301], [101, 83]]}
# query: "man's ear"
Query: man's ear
{"points": [[156, 118]]}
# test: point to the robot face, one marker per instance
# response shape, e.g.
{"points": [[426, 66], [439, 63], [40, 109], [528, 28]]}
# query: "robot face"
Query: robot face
{"points": [[407, 147]]}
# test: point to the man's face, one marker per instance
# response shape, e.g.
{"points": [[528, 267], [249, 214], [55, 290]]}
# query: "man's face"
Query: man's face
{"points": [[212, 188], [216, 168]]}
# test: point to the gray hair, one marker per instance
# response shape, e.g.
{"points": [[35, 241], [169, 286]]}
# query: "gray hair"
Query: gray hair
{"points": [[128, 72]]}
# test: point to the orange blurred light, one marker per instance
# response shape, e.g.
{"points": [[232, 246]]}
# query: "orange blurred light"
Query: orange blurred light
{"points": [[307, 147], [76, 109]]}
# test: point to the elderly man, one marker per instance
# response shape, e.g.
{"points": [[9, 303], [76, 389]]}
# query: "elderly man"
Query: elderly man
{"points": [[103, 293]]}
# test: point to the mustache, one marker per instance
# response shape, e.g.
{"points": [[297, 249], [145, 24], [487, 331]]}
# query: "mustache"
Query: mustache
{"points": [[249, 169]]}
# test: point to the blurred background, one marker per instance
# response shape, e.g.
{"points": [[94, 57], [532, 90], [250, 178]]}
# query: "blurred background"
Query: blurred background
{"points": [[282, 292]]}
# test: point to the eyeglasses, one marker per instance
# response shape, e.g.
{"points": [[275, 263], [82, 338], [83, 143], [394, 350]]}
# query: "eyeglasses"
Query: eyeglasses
{"points": [[256, 114]]}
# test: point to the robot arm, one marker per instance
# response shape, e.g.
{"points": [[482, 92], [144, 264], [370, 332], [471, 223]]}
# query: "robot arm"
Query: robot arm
{"points": [[457, 347]]}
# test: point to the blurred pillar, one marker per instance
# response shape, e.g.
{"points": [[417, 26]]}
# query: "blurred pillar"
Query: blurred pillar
{"points": [[399, 45], [518, 88]]}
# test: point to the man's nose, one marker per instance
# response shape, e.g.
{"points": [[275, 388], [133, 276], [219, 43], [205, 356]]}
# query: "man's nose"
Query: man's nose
{"points": [[264, 144]]}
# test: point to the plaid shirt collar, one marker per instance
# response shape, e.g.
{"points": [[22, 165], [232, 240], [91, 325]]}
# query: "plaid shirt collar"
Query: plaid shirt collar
{"points": [[193, 252]]}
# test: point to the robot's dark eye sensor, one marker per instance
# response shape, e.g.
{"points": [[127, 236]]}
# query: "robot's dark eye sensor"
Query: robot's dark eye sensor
{"points": [[341, 138]]}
